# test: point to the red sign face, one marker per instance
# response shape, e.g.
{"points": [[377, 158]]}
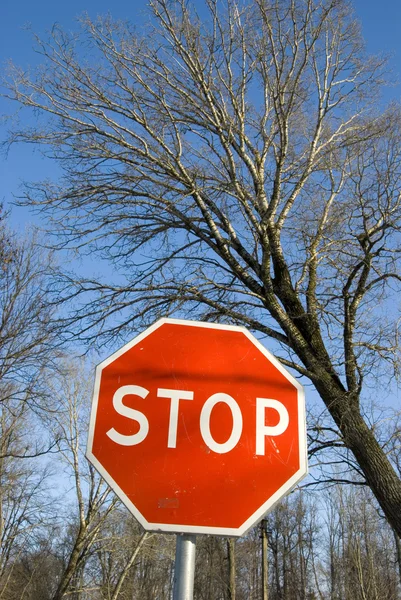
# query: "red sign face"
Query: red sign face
{"points": [[197, 428]]}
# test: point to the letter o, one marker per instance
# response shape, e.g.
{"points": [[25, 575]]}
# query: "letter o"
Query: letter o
{"points": [[205, 423]]}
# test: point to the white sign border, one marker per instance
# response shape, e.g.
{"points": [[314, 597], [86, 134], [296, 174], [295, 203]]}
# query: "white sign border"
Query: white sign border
{"points": [[194, 529]]}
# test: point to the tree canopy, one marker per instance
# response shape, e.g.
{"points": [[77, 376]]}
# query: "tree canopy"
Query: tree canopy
{"points": [[233, 165]]}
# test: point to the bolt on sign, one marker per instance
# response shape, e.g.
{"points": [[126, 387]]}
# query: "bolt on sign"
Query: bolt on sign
{"points": [[197, 428]]}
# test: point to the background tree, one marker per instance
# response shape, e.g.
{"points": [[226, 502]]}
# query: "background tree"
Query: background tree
{"points": [[93, 499], [233, 165], [25, 503], [28, 349]]}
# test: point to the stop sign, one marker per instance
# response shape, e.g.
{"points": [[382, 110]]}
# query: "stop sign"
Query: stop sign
{"points": [[197, 428]]}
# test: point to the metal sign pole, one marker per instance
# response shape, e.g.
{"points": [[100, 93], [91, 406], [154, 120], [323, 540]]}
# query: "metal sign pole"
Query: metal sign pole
{"points": [[184, 570]]}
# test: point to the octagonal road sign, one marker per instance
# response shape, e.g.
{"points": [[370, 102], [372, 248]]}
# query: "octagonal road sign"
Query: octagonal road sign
{"points": [[197, 428]]}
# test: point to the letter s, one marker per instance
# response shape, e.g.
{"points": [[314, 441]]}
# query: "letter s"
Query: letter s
{"points": [[130, 413]]}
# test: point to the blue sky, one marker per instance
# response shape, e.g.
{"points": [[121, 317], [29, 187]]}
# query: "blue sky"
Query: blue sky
{"points": [[381, 25]]}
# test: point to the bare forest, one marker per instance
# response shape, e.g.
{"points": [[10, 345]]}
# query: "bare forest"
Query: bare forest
{"points": [[230, 162], [75, 540]]}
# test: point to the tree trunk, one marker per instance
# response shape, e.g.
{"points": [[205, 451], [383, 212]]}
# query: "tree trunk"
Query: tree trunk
{"points": [[72, 566], [128, 566], [231, 567], [359, 438], [265, 583], [375, 465], [398, 555]]}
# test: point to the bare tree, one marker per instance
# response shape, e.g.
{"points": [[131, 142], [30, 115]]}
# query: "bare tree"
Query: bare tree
{"points": [[27, 333], [233, 167], [25, 505], [212, 571], [92, 497], [360, 553]]}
